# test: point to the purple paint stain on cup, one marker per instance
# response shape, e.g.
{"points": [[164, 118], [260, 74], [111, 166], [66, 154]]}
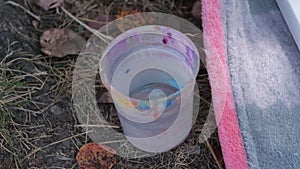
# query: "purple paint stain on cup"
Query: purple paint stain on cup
{"points": [[137, 36], [165, 40], [189, 53], [190, 56]]}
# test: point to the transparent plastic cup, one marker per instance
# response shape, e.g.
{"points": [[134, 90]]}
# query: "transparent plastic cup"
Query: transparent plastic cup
{"points": [[150, 72]]}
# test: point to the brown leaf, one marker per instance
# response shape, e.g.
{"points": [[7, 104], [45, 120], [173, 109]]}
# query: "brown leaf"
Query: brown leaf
{"points": [[127, 23], [61, 42], [98, 22], [105, 98], [196, 11], [94, 156], [49, 4], [125, 12]]}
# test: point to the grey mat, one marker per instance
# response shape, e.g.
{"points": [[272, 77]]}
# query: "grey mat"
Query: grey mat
{"points": [[264, 65]]}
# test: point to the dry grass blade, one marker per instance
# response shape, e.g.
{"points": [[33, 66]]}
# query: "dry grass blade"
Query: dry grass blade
{"points": [[105, 38], [213, 154], [51, 144]]}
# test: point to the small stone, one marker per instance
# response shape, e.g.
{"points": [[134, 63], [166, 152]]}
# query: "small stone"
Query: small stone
{"points": [[196, 11], [56, 110]]}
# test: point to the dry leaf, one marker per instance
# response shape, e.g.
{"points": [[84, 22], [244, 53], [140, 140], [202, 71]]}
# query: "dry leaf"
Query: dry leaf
{"points": [[126, 23], [98, 22], [61, 42], [125, 12], [105, 98], [49, 4], [94, 156], [196, 11]]}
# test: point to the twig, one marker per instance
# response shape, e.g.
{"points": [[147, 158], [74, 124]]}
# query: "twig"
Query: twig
{"points": [[203, 99], [24, 9], [95, 32], [4, 148], [3, 137], [213, 154]]}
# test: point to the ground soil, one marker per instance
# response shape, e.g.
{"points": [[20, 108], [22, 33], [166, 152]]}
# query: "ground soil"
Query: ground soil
{"points": [[42, 132]]}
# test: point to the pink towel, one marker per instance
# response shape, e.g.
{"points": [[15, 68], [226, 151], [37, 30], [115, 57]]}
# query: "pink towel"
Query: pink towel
{"points": [[228, 128]]}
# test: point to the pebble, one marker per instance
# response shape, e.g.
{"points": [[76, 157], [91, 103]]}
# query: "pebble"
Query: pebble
{"points": [[56, 110]]}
